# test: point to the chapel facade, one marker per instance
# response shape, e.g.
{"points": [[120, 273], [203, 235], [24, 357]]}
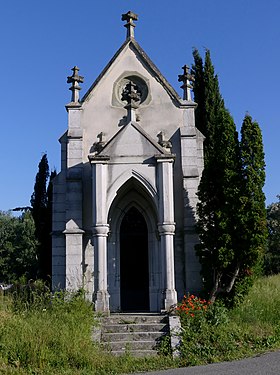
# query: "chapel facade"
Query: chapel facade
{"points": [[124, 200]]}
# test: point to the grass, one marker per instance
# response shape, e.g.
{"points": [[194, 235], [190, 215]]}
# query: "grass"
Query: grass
{"points": [[251, 328], [55, 338]]}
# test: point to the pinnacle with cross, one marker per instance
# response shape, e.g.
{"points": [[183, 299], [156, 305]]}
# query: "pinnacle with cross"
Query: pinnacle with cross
{"points": [[131, 95], [186, 78], [75, 79], [130, 17]]}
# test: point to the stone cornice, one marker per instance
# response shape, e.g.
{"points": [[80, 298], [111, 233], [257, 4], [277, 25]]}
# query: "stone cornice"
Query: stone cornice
{"points": [[98, 159], [165, 158], [74, 106], [73, 231]]}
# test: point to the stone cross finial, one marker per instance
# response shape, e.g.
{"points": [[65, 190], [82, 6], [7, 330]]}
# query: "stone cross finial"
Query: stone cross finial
{"points": [[186, 78], [131, 95], [130, 17], [75, 79]]}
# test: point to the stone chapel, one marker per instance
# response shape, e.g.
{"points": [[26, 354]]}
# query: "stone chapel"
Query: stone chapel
{"points": [[124, 200]]}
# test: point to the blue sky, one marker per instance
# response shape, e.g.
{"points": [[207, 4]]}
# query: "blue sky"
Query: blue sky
{"points": [[42, 40]]}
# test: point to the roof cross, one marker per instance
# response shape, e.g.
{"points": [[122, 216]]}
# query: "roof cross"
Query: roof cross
{"points": [[186, 78], [131, 95], [75, 79], [130, 17]]}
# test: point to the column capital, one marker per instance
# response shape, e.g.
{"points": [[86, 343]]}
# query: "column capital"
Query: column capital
{"points": [[166, 228], [100, 230]]}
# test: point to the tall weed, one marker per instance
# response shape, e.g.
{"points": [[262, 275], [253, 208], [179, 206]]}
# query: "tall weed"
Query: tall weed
{"points": [[220, 334], [47, 334], [53, 336]]}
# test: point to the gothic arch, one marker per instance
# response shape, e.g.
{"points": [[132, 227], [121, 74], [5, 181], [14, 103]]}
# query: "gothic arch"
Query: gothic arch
{"points": [[131, 179], [133, 194]]}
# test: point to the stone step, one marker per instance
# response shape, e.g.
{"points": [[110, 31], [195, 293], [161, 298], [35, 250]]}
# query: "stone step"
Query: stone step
{"points": [[138, 327], [139, 334], [131, 336], [136, 353], [134, 319], [130, 346]]}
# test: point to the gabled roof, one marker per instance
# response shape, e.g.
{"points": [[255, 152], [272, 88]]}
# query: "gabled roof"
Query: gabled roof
{"points": [[131, 42], [157, 149]]}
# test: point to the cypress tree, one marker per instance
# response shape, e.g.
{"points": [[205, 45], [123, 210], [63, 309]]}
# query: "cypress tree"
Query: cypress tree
{"points": [[39, 201], [219, 205], [231, 210], [272, 256], [48, 227], [199, 91], [207, 95], [218, 209], [254, 225]]}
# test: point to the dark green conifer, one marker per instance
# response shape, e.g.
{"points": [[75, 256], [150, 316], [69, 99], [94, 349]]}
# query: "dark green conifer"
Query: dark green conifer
{"points": [[231, 210], [207, 95], [218, 209], [199, 91], [272, 256], [254, 228], [219, 205], [39, 202]]}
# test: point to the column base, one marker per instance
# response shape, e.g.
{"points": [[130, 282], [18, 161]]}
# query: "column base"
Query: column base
{"points": [[170, 299], [102, 301]]}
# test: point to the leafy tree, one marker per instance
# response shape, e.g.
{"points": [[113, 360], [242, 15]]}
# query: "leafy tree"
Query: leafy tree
{"points": [[39, 209], [272, 256], [18, 247]]}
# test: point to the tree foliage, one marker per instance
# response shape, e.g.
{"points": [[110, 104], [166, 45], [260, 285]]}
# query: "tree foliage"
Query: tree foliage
{"points": [[254, 226], [18, 247], [272, 256], [230, 209], [41, 208], [25, 241]]}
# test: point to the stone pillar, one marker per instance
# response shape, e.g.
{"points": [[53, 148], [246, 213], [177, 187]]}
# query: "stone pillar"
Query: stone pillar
{"points": [[74, 200], [192, 165], [73, 263], [166, 225], [100, 229]]}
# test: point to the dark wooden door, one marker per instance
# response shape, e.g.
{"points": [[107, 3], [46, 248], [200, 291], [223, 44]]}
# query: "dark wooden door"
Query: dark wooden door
{"points": [[134, 262]]}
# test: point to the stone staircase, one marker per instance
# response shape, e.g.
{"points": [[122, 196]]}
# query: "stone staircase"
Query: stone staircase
{"points": [[139, 334]]}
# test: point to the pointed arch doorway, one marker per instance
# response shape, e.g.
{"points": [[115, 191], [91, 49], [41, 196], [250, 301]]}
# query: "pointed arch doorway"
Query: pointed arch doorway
{"points": [[134, 262]]}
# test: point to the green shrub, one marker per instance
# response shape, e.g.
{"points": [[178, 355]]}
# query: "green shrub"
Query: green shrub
{"points": [[219, 334]]}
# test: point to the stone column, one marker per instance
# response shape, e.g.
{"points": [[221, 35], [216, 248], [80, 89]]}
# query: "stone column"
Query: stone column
{"points": [[166, 225], [74, 199], [192, 165], [100, 229]]}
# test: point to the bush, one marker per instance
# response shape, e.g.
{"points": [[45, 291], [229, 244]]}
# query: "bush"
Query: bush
{"points": [[214, 333]]}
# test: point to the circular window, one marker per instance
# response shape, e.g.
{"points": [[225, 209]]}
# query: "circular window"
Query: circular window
{"points": [[140, 87]]}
